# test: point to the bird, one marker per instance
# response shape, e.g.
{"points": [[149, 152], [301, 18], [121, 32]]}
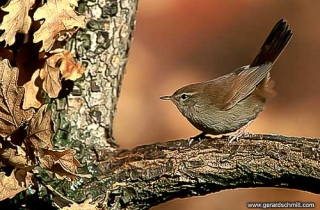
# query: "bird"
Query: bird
{"points": [[231, 102]]}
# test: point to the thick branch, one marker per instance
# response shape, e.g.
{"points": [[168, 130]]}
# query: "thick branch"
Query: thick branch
{"points": [[149, 175]]}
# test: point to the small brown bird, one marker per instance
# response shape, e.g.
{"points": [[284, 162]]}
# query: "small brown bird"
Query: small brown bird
{"points": [[231, 102]]}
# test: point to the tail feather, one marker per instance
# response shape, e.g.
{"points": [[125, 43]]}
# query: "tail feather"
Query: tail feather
{"points": [[274, 44]]}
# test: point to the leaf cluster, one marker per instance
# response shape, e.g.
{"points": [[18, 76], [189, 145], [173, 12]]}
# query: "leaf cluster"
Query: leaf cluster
{"points": [[34, 62]]}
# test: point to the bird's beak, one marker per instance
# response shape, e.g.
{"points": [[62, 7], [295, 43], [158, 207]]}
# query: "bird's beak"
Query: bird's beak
{"points": [[165, 97]]}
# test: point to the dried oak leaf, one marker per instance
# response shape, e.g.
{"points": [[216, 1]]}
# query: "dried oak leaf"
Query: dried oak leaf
{"points": [[32, 89], [17, 19], [57, 66], [51, 76], [15, 183], [15, 157], [40, 130], [63, 163], [59, 17], [69, 69], [12, 116]]}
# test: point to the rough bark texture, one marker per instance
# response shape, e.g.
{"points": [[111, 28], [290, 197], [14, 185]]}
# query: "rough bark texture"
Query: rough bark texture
{"points": [[85, 119], [152, 174]]}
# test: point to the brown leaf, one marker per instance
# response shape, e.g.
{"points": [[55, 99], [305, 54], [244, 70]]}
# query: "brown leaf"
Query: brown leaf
{"points": [[60, 62], [69, 68], [51, 76], [63, 163], [11, 113], [15, 157], [13, 184], [32, 90], [40, 130], [17, 19], [59, 17]]}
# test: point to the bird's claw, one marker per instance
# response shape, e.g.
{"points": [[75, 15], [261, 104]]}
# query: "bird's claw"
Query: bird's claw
{"points": [[236, 136], [239, 134], [190, 141], [196, 138]]}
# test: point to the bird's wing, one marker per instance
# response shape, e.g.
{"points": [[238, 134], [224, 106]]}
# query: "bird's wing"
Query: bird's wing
{"points": [[246, 80]]}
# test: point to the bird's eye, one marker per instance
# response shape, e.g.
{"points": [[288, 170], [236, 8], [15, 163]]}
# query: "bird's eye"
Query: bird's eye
{"points": [[184, 96]]}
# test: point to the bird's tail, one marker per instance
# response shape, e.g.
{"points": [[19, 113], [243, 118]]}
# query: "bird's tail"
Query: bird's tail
{"points": [[274, 44]]}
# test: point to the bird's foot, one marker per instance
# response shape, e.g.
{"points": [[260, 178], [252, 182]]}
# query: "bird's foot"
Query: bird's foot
{"points": [[236, 136], [199, 137], [239, 134]]}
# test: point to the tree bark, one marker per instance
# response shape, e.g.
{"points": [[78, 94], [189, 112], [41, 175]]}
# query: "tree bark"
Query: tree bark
{"points": [[148, 175], [152, 174]]}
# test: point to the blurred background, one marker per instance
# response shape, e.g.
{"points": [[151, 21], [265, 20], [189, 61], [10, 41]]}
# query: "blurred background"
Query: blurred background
{"points": [[185, 41]]}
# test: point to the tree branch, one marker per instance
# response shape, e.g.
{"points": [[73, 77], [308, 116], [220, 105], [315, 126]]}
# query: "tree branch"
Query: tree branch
{"points": [[152, 174]]}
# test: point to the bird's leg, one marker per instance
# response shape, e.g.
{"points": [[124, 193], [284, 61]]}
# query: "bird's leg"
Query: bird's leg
{"points": [[198, 137], [239, 134]]}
